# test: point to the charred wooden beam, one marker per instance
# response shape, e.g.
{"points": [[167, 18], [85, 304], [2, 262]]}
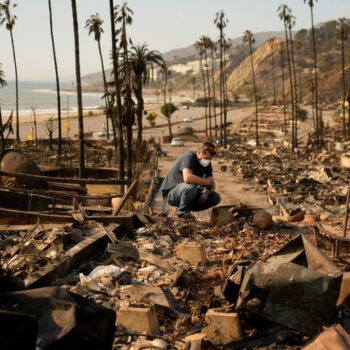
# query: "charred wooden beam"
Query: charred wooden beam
{"points": [[64, 179]]}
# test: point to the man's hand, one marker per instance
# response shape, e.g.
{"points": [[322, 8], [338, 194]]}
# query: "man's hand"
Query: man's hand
{"points": [[211, 183]]}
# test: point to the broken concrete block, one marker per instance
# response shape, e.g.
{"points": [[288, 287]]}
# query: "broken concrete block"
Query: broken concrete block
{"points": [[262, 219], [194, 341], [192, 252], [222, 327], [220, 216], [142, 320]]}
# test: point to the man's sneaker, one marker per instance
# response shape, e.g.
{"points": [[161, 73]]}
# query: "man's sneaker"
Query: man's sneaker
{"points": [[187, 216]]}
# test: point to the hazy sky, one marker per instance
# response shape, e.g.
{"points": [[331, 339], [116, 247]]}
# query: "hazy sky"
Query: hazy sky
{"points": [[163, 24]]}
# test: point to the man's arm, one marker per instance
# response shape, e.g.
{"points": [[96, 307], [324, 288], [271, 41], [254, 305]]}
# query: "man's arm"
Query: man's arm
{"points": [[189, 178]]}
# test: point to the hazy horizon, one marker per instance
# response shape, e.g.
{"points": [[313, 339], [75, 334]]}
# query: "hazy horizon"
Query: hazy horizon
{"points": [[157, 24]]}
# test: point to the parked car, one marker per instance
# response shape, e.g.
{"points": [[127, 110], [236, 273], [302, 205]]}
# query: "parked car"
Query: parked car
{"points": [[177, 142], [102, 133], [188, 120]]}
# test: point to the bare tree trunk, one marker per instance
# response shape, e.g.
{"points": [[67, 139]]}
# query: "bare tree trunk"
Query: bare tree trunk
{"points": [[59, 146], [105, 91], [343, 81], [225, 96], [214, 95], [205, 96], [291, 83], [255, 97], [318, 119], [2, 133], [16, 76], [80, 102], [117, 93], [295, 91], [209, 97], [284, 94]]}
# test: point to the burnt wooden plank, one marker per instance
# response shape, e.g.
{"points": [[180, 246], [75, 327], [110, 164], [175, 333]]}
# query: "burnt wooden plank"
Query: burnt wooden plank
{"points": [[81, 253], [65, 180]]}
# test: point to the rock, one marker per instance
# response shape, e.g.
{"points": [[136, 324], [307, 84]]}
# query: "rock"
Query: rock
{"points": [[262, 219], [220, 216]]}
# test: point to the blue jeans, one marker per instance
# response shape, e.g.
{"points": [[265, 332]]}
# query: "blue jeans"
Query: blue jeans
{"points": [[184, 197]]}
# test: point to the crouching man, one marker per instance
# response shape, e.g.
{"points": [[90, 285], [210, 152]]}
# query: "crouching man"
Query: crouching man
{"points": [[190, 185]]}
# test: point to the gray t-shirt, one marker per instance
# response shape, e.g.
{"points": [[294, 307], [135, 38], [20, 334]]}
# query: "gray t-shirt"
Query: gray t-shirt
{"points": [[188, 160]]}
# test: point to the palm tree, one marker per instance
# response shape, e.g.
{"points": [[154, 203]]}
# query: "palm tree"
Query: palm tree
{"points": [[212, 48], [343, 27], [291, 23], [272, 44], [221, 23], [59, 148], [94, 25], [10, 21], [284, 15], [141, 60], [200, 50], [206, 41], [123, 15], [79, 95], [117, 94], [2, 77], [318, 119], [249, 38], [281, 50]]}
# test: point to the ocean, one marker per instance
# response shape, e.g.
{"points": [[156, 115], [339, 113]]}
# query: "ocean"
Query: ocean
{"points": [[42, 96]]}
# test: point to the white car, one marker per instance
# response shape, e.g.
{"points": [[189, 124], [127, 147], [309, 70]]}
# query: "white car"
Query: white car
{"points": [[188, 120], [102, 133], [177, 142]]}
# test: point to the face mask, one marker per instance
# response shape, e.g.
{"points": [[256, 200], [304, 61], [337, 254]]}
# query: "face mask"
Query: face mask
{"points": [[204, 162]]}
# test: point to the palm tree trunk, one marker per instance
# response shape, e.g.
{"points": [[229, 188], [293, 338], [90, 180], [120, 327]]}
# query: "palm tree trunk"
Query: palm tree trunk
{"points": [[139, 111], [205, 97], [214, 98], [318, 119], [291, 81], [105, 89], [59, 145], [225, 96], [255, 97], [295, 91], [209, 97], [284, 94], [118, 96], [221, 86], [16, 76], [2, 133], [80, 102], [343, 80]]}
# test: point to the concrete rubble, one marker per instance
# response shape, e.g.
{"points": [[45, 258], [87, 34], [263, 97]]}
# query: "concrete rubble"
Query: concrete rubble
{"points": [[245, 279]]}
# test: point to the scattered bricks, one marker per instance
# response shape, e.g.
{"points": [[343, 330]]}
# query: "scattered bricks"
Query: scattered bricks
{"points": [[191, 252], [222, 327], [141, 320], [220, 216], [262, 219]]}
